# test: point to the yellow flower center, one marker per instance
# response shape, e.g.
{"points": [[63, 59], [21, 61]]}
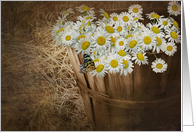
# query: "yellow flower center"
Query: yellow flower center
{"points": [[132, 44], [101, 40], [119, 28], [125, 18], [85, 8], [115, 18], [85, 45], [113, 45], [60, 30], [106, 15], [169, 47], [121, 43], [95, 60], [81, 36], [59, 22], [99, 68], [121, 53], [135, 10], [173, 35], [89, 24], [128, 36], [155, 30], [159, 66], [109, 29], [125, 63], [68, 37], [175, 24], [88, 17], [140, 56], [159, 41], [136, 18], [155, 16], [80, 28], [66, 12], [113, 40], [165, 23], [174, 8], [114, 63], [147, 40]]}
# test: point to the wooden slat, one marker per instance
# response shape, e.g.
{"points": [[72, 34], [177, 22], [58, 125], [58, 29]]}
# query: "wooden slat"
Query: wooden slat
{"points": [[75, 63]]}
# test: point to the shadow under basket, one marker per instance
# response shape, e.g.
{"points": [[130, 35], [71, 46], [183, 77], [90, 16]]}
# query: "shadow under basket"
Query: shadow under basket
{"points": [[141, 101]]}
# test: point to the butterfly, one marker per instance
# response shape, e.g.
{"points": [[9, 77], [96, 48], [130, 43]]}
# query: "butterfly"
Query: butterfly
{"points": [[88, 64]]}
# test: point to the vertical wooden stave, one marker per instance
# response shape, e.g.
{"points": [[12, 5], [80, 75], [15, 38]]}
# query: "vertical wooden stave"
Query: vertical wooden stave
{"points": [[75, 63]]}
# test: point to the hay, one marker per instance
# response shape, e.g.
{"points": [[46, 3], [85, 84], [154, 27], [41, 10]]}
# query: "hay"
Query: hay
{"points": [[39, 91]]}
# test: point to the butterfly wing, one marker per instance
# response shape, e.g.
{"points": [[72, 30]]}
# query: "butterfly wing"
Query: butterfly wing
{"points": [[88, 64]]}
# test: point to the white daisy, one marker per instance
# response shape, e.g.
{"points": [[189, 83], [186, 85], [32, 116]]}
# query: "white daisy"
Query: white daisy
{"points": [[60, 21], [127, 68], [85, 45], [135, 10], [114, 17], [67, 38], [159, 65], [57, 30], [160, 44], [124, 54], [109, 29], [147, 39], [170, 49], [120, 43], [139, 27], [153, 16], [79, 27], [164, 23], [139, 57], [104, 14], [138, 17], [174, 8], [101, 68], [89, 18], [132, 43], [127, 35], [173, 36], [102, 39], [78, 36], [67, 12], [175, 24], [156, 29], [84, 8], [114, 63], [125, 17], [119, 28]]}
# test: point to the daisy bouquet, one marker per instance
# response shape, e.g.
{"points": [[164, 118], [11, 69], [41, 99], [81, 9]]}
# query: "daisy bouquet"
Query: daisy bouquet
{"points": [[117, 41]]}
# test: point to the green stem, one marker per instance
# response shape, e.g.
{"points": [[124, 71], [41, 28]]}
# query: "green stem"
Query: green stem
{"points": [[166, 21], [137, 24], [154, 21], [84, 13], [155, 56]]}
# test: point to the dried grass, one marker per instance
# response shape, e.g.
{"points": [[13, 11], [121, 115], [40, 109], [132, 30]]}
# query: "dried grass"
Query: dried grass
{"points": [[39, 91], [38, 87]]}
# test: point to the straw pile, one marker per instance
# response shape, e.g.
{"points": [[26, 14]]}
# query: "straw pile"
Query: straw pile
{"points": [[39, 91]]}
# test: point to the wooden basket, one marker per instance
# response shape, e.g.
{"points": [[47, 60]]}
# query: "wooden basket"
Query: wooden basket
{"points": [[143, 100]]}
